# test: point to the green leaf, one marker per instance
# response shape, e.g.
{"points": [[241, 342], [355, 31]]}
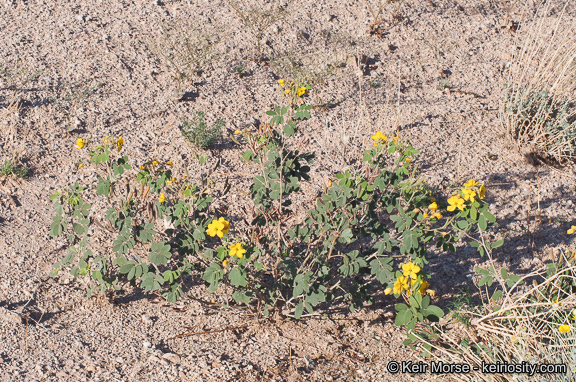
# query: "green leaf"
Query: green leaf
{"points": [[146, 232], [103, 187], [485, 280], [159, 253], [504, 273], [403, 317], [482, 271], [497, 294], [400, 307], [489, 216], [433, 313], [482, 223], [473, 213], [151, 282], [288, 130], [299, 310], [497, 244], [237, 277]]}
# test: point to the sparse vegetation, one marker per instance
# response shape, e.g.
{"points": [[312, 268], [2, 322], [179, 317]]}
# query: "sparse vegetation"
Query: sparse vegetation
{"points": [[11, 168], [198, 133], [186, 49], [258, 16], [69, 98], [538, 111]]}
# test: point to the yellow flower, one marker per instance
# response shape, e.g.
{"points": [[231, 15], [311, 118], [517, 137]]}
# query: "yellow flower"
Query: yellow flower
{"points": [[162, 198], [470, 183], [237, 132], [437, 215], [564, 328], [237, 250], [225, 263], [106, 140], [142, 168], [455, 202], [407, 160], [424, 215], [431, 292], [80, 143], [423, 287], [170, 163], [169, 182], [433, 206], [482, 191], [155, 163], [411, 270], [281, 82], [301, 91], [416, 210], [571, 230], [119, 143], [218, 228], [387, 291], [81, 165], [396, 139], [469, 194], [287, 91], [379, 138], [400, 284]]}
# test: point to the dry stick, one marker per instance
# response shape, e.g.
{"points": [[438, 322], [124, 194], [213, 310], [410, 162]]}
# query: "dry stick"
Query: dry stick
{"points": [[206, 332]]}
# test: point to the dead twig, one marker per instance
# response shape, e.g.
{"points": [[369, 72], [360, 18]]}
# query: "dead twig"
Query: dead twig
{"points": [[207, 332]]}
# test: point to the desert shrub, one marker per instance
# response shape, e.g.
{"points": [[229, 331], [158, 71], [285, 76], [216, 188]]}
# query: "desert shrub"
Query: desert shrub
{"points": [[10, 167], [538, 105], [198, 133], [160, 228]]}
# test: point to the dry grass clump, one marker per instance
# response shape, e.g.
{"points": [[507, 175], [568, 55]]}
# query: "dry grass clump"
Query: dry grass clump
{"points": [[535, 324], [186, 49], [538, 110]]}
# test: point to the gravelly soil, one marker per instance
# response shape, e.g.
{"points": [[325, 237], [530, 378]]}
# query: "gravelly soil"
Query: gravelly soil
{"points": [[438, 72]]}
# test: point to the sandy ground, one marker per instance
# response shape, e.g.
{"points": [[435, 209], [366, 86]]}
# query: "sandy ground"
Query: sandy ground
{"points": [[435, 75]]}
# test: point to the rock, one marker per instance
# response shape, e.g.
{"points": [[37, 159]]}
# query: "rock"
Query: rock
{"points": [[506, 56], [147, 344], [174, 358]]}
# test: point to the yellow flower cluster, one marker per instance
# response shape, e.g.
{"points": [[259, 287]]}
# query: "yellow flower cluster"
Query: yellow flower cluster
{"points": [[235, 250], [469, 192], [407, 280], [571, 230], [162, 198], [433, 207], [300, 90], [218, 227], [564, 328], [379, 138]]}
